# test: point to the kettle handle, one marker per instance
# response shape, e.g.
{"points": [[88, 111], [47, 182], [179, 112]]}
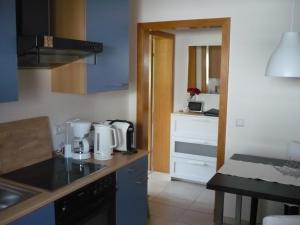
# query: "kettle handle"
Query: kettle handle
{"points": [[115, 138]]}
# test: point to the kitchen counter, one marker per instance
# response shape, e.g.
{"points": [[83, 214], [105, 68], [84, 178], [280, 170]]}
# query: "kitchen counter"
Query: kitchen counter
{"points": [[43, 197]]}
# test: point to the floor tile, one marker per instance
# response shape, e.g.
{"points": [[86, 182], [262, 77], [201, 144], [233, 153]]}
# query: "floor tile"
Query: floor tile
{"points": [[173, 200], [207, 196], [165, 212], [183, 190], [156, 187], [196, 218], [179, 223], [178, 202], [160, 221], [202, 207]]}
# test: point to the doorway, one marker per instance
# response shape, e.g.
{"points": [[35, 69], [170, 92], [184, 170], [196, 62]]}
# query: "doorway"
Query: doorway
{"points": [[161, 98], [144, 107]]}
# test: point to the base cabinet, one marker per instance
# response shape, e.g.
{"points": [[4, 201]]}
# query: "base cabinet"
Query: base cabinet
{"points": [[42, 216], [131, 205], [193, 147]]}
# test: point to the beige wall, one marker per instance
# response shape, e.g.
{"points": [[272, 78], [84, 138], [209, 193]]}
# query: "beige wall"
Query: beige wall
{"points": [[36, 99], [269, 106]]}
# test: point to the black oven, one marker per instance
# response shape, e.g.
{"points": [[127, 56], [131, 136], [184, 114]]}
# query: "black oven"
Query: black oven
{"points": [[94, 204]]}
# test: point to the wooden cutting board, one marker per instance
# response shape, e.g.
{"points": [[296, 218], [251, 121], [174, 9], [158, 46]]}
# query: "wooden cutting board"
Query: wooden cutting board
{"points": [[24, 142]]}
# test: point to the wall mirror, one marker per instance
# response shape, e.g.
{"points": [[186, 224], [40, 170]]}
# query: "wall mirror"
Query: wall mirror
{"points": [[204, 65]]}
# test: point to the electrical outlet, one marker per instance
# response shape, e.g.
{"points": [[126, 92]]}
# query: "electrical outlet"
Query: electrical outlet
{"points": [[240, 123], [60, 129]]}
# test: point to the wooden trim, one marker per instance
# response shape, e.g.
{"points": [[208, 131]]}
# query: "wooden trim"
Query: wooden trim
{"points": [[192, 61], [143, 75], [193, 24], [162, 34], [143, 83], [224, 73]]}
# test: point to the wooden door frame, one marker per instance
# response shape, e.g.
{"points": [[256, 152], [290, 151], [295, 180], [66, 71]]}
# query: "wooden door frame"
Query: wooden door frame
{"points": [[143, 79]]}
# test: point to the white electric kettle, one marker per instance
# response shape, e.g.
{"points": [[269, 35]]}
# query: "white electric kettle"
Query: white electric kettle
{"points": [[104, 142]]}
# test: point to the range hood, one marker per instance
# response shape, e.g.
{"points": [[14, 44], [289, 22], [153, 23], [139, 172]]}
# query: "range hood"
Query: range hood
{"points": [[38, 47]]}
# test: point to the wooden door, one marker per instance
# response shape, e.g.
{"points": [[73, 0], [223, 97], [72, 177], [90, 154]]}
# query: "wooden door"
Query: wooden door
{"points": [[162, 99]]}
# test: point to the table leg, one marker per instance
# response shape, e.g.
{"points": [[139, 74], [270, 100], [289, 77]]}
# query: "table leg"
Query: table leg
{"points": [[253, 214], [219, 208], [238, 209]]}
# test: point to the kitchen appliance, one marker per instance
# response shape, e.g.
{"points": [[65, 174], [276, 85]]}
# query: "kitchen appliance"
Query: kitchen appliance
{"points": [[212, 112], [125, 131], [94, 204], [37, 44], [81, 148], [53, 173], [195, 106], [105, 141]]}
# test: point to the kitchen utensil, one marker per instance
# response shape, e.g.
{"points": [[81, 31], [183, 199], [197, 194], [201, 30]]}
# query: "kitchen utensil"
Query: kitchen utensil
{"points": [[104, 142]]}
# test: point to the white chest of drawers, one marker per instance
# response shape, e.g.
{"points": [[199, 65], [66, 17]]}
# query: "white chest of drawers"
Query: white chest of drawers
{"points": [[193, 147]]}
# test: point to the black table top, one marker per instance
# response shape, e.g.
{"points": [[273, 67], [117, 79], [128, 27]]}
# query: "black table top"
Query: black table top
{"points": [[255, 187], [53, 173]]}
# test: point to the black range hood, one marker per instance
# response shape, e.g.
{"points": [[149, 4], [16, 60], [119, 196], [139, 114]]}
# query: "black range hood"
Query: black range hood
{"points": [[37, 45]]}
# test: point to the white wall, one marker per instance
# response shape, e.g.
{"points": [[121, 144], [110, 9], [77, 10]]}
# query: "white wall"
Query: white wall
{"points": [[36, 99], [269, 106], [184, 39]]}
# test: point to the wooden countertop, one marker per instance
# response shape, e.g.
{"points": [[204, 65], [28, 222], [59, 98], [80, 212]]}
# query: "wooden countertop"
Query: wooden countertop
{"points": [[44, 197], [195, 114]]}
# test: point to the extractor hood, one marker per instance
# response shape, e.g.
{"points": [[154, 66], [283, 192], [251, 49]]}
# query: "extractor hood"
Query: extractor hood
{"points": [[38, 47]]}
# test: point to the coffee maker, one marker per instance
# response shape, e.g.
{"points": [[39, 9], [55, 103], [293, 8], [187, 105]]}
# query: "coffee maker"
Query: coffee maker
{"points": [[81, 147]]}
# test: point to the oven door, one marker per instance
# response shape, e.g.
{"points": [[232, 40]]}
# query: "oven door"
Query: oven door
{"points": [[100, 211], [104, 215]]}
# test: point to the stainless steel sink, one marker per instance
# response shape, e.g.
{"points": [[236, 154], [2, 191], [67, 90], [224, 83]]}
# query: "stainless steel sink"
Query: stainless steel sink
{"points": [[10, 196]]}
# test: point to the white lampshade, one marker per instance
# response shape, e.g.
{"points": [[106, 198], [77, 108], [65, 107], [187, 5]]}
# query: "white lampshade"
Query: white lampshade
{"points": [[285, 60]]}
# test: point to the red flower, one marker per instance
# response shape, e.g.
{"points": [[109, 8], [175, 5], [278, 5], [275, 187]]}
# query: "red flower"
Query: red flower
{"points": [[193, 91]]}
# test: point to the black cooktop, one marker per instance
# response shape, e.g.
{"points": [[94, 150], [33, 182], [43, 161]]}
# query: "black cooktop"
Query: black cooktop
{"points": [[53, 173]]}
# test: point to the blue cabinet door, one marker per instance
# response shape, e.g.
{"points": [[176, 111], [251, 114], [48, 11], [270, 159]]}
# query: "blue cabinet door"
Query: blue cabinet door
{"points": [[42, 216], [107, 21], [8, 52], [131, 205]]}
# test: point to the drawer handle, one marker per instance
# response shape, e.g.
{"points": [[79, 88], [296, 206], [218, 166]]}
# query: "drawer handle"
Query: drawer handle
{"points": [[202, 121], [130, 170], [142, 181], [198, 163]]}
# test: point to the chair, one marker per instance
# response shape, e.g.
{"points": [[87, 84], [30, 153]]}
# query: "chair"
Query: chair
{"points": [[282, 220]]}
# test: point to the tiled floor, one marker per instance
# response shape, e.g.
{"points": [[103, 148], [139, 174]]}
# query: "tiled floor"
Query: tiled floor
{"points": [[178, 203]]}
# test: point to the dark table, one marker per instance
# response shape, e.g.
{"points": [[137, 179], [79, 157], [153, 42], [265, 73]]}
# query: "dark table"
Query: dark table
{"points": [[254, 188]]}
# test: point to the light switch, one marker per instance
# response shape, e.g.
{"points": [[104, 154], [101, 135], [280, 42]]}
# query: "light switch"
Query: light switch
{"points": [[240, 123]]}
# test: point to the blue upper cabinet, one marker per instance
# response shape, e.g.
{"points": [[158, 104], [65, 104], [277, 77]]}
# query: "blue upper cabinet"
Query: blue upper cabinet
{"points": [[107, 21], [8, 52]]}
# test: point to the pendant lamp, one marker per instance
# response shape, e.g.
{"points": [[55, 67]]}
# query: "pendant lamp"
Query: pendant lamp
{"points": [[285, 60]]}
